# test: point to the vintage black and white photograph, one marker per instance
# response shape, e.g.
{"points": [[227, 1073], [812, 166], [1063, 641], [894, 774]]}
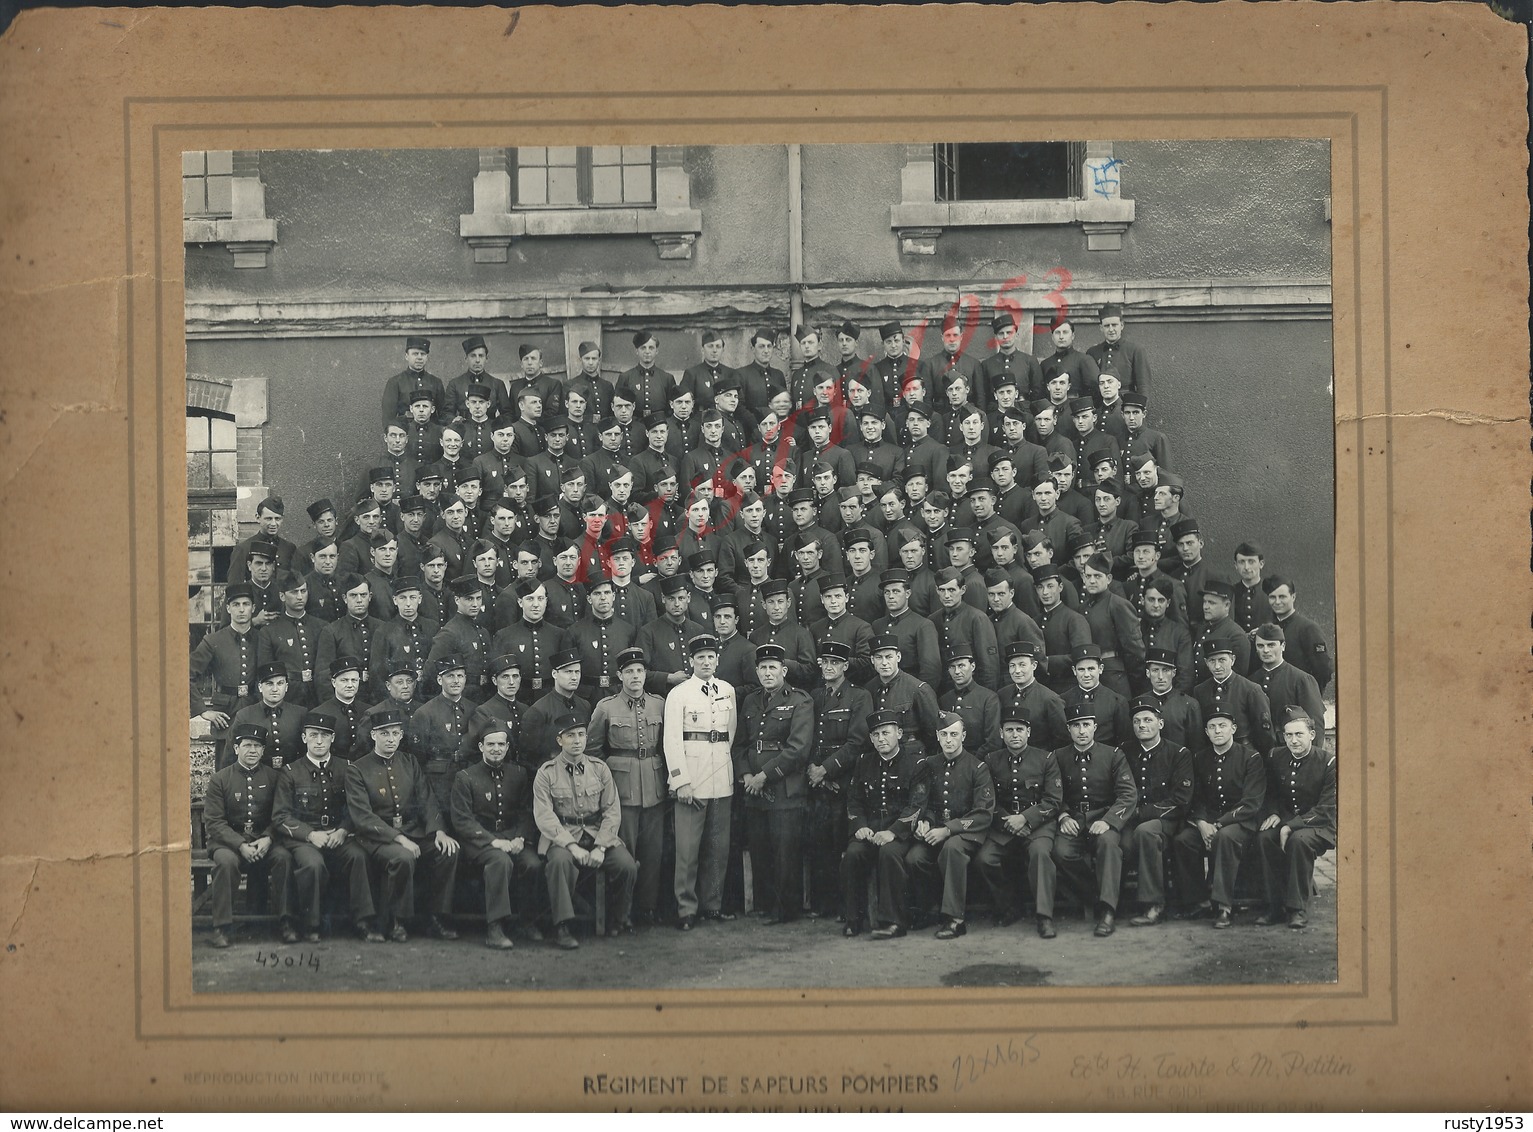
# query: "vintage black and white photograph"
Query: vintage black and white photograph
{"points": [[762, 566]]}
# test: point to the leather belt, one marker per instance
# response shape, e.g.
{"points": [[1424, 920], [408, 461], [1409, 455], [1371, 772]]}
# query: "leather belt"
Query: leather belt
{"points": [[647, 754], [705, 736]]}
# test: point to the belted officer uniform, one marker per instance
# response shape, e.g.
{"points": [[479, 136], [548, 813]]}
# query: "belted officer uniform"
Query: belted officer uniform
{"points": [[774, 738], [625, 731], [435, 737], [840, 735], [389, 797], [311, 799], [700, 724]]}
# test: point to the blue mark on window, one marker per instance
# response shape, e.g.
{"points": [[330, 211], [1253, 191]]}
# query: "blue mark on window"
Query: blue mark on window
{"points": [[1104, 177]]}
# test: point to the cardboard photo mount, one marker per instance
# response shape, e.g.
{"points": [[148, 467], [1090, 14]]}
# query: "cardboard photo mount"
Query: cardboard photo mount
{"points": [[1425, 110]]}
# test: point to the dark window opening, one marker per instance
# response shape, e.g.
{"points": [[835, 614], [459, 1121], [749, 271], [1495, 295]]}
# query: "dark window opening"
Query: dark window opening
{"points": [[1009, 170]]}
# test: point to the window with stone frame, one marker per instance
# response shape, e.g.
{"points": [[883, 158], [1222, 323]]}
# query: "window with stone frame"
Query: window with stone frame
{"points": [[212, 522], [584, 176], [975, 171]]}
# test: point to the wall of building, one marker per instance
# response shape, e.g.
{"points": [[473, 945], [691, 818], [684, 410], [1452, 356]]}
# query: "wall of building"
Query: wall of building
{"points": [[1246, 405], [1231, 208]]}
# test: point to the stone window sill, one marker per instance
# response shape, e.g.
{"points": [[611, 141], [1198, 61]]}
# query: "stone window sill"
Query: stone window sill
{"points": [[492, 232], [250, 241]]}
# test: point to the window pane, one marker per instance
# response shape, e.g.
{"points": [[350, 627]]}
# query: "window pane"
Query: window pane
{"points": [[223, 470], [198, 475], [223, 433], [191, 162], [221, 195], [636, 184], [220, 161], [562, 155], [226, 527], [199, 531], [192, 202], [606, 185], [562, 187], [196, 434], [200, 603], [532, 155], [606, 154], [1012, 171], [642, 154], [200, 568], [531, 187]]}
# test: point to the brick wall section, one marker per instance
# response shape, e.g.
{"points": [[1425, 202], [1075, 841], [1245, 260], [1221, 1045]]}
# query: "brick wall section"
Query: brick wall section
{"points": [[249, 460], [208, 393]]}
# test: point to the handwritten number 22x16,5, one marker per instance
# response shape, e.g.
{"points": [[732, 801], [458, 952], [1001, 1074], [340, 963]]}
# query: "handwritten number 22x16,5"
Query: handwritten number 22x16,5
{"points": [[969, 1068]]}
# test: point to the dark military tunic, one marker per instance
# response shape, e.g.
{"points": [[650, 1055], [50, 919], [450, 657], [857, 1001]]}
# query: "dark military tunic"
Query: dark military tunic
{"points": [[1126, 359], [236, 810], [912, 699], [665, 649], [1286, 686], [223, 667], [284, 731], [1063, 629], [1243, 700], [920, 647], [401, 641], [1045, 709], [326, 601], [599, 643], [349, 636], [1028, 784], [398, 390], [353, 737], [1305, 648], [1221, 632], [540, 739], [980, 710], [534, 644]]}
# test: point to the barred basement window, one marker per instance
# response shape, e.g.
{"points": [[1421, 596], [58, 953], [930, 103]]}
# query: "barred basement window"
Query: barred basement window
{"points": [[1009, 171], [600, 176]]}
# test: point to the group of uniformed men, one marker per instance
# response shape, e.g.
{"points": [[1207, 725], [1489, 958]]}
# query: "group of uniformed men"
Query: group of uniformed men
{"points": [[582, 624]]}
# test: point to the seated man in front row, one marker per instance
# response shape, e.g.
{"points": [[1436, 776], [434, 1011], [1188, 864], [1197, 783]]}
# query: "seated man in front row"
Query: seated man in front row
{"points": [[492, 815], [575, 805], [884, 799], [313, 824], [1300, 823], [1099, 799], [1229, 790], [960, 802], [1028, 794], [237, 815], [398, 822]]}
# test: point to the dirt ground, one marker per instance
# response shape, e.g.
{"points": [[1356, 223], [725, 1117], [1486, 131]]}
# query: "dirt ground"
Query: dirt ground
{"points": [[810, 953]]}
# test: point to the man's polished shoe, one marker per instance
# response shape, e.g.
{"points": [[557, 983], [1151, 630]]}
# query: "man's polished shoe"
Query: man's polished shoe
{"points": [[495, 937], [398, 934], [1224, 918], [853, 929], [686, 923], [888, 931], [287, 933], [564, 939], [952, 930], [718, 917], [1105, 926], [1297, 920], [1046, 927], [369, 932], [219, 939], [1271, 916], [526, 929], [439, 928], [621, 927], [1151, 915], [1196, 911]]}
